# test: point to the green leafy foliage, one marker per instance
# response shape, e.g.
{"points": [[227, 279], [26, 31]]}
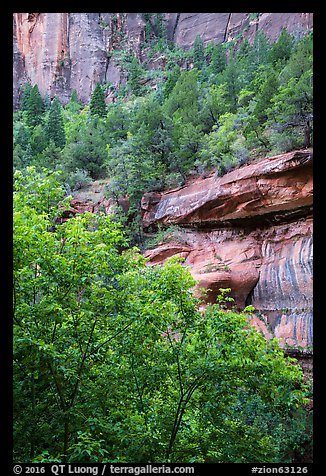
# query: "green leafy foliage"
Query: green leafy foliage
{"points": [[113, 361], [169, 123]]}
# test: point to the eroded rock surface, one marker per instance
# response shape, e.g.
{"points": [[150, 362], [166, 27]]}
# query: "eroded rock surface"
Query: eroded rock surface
{"points": [[64, 51], [250, 230], [269, 190]]}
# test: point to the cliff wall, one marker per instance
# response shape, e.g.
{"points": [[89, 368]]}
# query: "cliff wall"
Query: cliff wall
{"points": [[250, 230], [64, 51]]}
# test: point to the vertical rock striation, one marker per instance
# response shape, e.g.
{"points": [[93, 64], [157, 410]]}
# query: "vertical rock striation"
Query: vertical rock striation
{"points": [[64, 51], [284, 290], [250, 230]]}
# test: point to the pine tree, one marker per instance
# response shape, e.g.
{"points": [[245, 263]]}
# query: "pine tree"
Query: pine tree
{"points": [[183, 103], [97, 104], [199, 52], [74, 96], [171, 80], [47, 102], [26, 92], [34, 107], [261, 48], [135, 72], [73, 106], [54, 126], [218, 59], [282, 48], [160, 25]]}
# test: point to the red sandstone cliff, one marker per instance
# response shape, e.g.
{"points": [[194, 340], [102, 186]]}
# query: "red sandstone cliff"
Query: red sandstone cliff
{"points": [[250, 230], [65, 51]]}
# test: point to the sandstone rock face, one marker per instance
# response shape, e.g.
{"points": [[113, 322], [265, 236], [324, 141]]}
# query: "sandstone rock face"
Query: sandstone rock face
{"points": [[250, 230], [280, 185], [221, 27], [64, 51]]}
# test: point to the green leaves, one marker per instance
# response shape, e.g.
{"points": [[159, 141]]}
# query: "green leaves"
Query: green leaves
{"points": [[114, 361]]}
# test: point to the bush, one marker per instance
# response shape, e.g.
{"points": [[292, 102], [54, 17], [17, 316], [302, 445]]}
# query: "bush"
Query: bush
{"points": [[282, 142], [167, 235], [76, 180]]}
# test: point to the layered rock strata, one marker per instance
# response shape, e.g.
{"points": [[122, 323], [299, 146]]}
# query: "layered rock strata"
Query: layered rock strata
{"points": [[250, 230]]}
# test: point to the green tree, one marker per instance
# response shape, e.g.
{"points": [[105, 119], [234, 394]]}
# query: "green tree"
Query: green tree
{"points": [[148, 26], [34, 107], [217, 62], [26, 91], [231, 77], [135, 74], [183, 107], [160, 25], [261, 48], [21, 133], [118, 121], [47, 102], [217, 147], [38, 140], [154, 128], [50, 157], [113, 361], [73, 105], [291, 108], [213, 105], [86, 147], [183, 100], [97, 104], [300, 61], [54, 125], [55, 328], [281, 50], [198, 52], [172, 78]]}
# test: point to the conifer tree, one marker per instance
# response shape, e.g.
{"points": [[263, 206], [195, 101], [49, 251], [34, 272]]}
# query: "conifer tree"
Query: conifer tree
{"points": [[199, 55], [47, 102], [171, 80], [74, 97], [281, 49], [73, 106], [97, 104], [26, 92], [218, 59], [261, 48], [34, 107], [54, 126], [160, 25], [134, 76]]}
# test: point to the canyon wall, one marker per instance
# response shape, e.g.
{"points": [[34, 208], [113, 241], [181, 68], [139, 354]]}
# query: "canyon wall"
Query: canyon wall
{"points": [[250, 230], [61, 52]]}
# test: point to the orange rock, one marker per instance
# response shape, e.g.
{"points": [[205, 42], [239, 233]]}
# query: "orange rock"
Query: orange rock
{"points": [[251, 231]]}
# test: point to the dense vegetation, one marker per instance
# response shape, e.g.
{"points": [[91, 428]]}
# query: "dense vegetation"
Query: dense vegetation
{"points": [[211, 108], [113, 360]]}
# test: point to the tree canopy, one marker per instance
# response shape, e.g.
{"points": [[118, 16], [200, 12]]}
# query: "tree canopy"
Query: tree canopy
{"points": [[94, 327], [115, 360]]}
